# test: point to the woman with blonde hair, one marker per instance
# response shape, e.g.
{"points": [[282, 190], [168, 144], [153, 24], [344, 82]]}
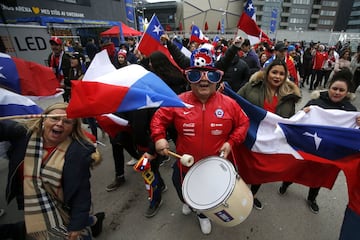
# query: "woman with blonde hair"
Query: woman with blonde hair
{"points": [[49, 175], [343, 62]]}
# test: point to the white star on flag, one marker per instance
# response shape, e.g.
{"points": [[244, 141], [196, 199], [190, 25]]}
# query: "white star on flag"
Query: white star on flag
{"points": [[250, 7], [157, 29], [2, 75], [317, 140], [151, 104]]}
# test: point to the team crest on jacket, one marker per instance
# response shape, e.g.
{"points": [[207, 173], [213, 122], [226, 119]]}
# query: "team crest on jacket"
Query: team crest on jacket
{"points": [[219, 113]]}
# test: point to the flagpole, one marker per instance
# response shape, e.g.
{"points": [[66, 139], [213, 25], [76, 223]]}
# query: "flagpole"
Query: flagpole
{"points": [[32, 116]]}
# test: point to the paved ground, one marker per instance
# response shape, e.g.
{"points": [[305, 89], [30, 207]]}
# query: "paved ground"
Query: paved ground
{"points": [[283, 217]]}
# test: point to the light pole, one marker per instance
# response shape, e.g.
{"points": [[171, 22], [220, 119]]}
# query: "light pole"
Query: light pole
{"points": [[222, 24], [139, 9], [135, 15], [143, 12]]}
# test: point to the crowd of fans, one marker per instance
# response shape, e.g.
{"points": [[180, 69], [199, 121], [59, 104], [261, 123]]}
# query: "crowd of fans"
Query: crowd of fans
{"points": [[250, 70]]}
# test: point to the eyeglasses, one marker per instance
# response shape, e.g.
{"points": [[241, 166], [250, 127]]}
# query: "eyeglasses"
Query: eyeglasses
{"points": [[195, 75], [65, 121]]}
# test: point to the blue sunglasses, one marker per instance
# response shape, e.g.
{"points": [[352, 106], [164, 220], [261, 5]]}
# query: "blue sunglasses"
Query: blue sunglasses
{"points": [[195, 75]]}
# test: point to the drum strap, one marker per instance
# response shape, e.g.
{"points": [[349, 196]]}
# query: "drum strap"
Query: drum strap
{"points": [[233, 159], [234, 162], [181, 172]]}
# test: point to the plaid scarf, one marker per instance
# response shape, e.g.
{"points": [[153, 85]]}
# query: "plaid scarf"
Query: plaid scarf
{"points": [[42, 218]]}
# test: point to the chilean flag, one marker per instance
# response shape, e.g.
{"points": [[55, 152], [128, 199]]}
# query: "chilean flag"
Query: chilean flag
{"points": [[215, 40], [183, 49], [108, 90], [27, 78], [247, 23], [150, 41], [112, 124], [12, 104], [197, 35], [307, 148]]}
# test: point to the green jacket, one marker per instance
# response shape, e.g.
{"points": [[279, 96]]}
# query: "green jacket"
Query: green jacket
{"points": [[254, 92]]}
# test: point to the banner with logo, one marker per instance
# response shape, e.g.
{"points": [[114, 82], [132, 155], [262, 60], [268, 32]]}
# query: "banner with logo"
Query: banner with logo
{"points": [[129, 7]]}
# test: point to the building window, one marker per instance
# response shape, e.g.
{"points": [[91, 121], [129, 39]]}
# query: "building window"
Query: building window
{"points": [[327, 13], [330, 3], [303, 2], [326, 22], [297, 20], [299, 11]]}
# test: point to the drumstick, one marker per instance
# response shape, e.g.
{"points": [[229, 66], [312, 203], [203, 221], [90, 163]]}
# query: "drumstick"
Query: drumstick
{"points": [[186, 159], [174, 154]]}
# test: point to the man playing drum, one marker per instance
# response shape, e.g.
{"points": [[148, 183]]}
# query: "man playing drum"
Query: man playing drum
{"points": [[214, 124]]}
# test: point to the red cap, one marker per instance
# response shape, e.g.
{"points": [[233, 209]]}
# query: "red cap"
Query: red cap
{"points": [[55, 40]]}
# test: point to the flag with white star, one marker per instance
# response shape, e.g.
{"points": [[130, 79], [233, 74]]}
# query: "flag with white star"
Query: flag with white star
{"points": [[247, 24], [151, 42], [197, 35], [118, 90], [322, 141], [27, 78], [295, 149]]}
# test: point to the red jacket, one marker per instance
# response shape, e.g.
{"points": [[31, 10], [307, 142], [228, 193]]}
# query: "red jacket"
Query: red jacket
{"points": [[204, 128], [319, 59], [292, 70]]}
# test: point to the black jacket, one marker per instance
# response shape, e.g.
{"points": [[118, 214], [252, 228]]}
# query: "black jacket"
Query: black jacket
{"points": [[237, 73], [75, 175], [322, 100], [65, 65]]}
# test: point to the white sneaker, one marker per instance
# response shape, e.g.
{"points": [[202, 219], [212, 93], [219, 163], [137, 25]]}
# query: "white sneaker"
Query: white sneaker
{"points": [[186, 210], [205, 225], [132, 162]]}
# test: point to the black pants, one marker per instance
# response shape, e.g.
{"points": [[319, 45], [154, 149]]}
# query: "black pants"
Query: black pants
{"points": [[307, 74], [177, 180], [123, 140], [92, 125], [67, 93], [326, 76], [356, 81], [313, 192], [317, 76], [15, 231], [255, 188], [159, 181]]}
